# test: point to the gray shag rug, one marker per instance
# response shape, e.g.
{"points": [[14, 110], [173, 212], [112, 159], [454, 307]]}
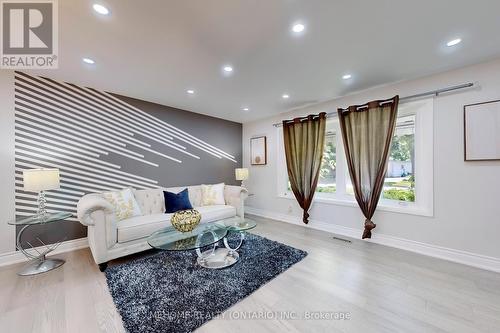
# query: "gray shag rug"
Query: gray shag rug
{"points": [[168, 291]]}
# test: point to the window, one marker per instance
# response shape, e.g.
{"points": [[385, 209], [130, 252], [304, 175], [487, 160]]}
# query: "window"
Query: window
{"points": [[408, 185], [328, 173], [400, 179]]}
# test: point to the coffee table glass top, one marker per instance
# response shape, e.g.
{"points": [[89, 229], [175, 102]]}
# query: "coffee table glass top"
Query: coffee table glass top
{"points": [[204, 234], [35, 219], [237, 224], [172, 240]]}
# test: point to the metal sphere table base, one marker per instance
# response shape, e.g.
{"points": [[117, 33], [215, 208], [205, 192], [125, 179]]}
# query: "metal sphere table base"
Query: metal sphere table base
{"points": [[217, 258], [41, 265]]}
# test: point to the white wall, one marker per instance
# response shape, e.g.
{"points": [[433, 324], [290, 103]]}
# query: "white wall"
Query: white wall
{"points": [[466, 194], [7, 209]]}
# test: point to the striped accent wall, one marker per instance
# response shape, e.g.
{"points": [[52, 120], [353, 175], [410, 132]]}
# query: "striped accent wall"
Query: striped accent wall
{"points": [[102, 142]]}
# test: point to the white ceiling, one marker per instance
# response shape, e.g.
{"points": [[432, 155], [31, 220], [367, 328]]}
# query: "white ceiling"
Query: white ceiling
{"points": [[155, 50]]}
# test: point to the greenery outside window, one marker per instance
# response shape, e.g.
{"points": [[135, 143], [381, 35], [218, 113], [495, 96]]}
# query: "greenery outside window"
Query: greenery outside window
{"points": [[328, 172], [400, 177]]}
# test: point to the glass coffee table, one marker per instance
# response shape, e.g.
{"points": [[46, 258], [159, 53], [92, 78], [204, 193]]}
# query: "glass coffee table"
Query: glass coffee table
{"points": [[205, 234]]}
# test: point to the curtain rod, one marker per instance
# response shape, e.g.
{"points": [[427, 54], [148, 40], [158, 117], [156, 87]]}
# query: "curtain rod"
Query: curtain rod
{"points": [[407, 98]]}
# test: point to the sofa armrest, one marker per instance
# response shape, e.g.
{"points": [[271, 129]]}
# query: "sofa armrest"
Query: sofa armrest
{"points": [[90, 203], [235, 196]]}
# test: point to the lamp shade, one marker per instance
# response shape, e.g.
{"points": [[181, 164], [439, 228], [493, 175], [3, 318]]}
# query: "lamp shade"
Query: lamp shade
{"points": [[36, 180], [241, 173]]}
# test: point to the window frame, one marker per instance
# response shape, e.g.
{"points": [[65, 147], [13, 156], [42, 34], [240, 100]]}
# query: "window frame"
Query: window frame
{"points": [[424, 161]]}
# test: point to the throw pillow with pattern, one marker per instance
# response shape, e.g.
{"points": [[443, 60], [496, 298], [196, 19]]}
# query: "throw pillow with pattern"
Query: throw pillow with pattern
{"points": [[212, 194], [124, 203]]}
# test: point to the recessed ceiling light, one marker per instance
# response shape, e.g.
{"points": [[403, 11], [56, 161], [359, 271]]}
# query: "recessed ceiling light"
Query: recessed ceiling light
{"points": [[454, 42], [246, 109], [190, 91], [228, 69], [88, 61], [346, 76], [100, 9], [298, 27], [285, 96]]}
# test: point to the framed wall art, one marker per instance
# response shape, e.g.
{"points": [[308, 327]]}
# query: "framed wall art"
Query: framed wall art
{"points": [[258, 151], [482, 131]]}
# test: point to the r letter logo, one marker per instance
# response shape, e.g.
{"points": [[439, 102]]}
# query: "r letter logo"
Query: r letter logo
{"points": [[29, 34]]}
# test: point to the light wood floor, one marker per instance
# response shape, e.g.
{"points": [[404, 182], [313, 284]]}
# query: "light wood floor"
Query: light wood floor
{"points": [[383, 289]]}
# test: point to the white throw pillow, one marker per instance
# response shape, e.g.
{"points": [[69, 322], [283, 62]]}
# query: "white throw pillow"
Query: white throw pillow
{"points": [[124, 203], [212, 194]]}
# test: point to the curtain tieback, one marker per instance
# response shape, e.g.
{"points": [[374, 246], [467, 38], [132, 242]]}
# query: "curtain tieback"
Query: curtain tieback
{"points": [[305, 217], [369, 225]]}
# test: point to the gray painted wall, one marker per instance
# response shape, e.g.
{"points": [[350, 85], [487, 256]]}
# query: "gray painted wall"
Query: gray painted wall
{"points": [[223, 134], [102, 142]]}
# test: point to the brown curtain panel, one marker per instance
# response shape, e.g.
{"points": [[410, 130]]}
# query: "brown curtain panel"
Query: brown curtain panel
{"points": [[367, 132], [304, 139]]}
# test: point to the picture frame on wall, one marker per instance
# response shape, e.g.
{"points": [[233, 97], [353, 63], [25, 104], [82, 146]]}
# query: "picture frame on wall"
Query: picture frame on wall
{"points": [[482, 131], [258, 150]]}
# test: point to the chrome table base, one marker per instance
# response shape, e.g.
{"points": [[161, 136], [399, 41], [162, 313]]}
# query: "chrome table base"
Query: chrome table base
{"points": [[217, 258], [41, 265], [38, 262]]}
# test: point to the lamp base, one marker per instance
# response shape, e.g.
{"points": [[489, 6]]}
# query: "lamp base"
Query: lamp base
{"points": [[42, 211]]}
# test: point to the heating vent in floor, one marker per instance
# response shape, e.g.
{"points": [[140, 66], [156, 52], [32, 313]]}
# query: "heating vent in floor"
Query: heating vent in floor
{"points": [[342, 239]]}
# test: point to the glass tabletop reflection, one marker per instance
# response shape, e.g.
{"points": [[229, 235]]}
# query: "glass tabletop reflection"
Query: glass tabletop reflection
{"points": [[172, 240], [40, 219], [237, 223]]}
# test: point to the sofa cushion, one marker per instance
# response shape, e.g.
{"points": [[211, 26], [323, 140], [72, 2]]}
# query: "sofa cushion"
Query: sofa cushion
{"points": [[194, 193], [216, 212], [124, 203], [151, 201], [177, 201], [142, 226], [212, 194]]}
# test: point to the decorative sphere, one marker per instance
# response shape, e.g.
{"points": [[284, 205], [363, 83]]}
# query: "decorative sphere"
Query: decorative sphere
{"points": [[185, 220]]}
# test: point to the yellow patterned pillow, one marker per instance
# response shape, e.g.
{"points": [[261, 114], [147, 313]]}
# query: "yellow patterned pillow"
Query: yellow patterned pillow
{"points": [[124, 203], [212, 194]]}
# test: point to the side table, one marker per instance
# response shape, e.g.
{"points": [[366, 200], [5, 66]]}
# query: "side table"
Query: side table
{"points": [[38, 261]]}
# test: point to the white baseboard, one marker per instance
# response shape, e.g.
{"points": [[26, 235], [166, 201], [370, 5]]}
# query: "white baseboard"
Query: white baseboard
{"points": [[15, 257], [458, 256]]}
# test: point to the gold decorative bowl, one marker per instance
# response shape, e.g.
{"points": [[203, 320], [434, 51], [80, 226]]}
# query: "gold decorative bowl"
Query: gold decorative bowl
{"points": [[185, 220]]}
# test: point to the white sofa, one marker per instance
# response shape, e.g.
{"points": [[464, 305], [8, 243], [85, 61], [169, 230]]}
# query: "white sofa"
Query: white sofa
{"points": [[110, 239]]}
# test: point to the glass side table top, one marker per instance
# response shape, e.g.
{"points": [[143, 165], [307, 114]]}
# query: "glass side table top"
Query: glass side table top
{"points": [[172, 240], [237, 223], [35, 219]]}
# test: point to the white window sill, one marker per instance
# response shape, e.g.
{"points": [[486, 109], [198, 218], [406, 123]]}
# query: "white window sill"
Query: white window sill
{"points": [[401, 207]]}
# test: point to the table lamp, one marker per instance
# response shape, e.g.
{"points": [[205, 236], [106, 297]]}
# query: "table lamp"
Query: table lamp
{"points": [[241, 174], [41, 180]]}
